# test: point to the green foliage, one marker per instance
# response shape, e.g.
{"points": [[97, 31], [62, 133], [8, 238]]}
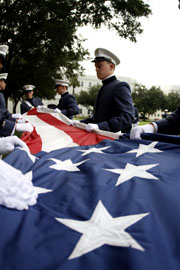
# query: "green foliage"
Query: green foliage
{"points": [[172, 101], [142, 123], [87, 98], [93, 93], [119, 15], [148, 100], [156, 99], [82, 98], [139, 96], [153, 99], [43, 41]]}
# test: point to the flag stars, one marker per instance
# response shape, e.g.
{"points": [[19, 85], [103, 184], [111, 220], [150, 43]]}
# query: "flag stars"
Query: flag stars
{"points": [[94, 150], [131, 171], [38, 190], [150, 148], [66, 165], [102, 229], [32, 157]]}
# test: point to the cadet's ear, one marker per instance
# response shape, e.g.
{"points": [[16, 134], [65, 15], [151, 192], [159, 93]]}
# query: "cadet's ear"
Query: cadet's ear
{"points": [[112, 66]]}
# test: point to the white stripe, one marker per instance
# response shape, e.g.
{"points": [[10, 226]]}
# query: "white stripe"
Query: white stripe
{"points": [[52, 138]]}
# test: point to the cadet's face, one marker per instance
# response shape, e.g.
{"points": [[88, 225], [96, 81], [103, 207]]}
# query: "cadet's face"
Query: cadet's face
{"points": [[104, 69], [29, 94], [1, 61], [2, 85], [61, 89]]}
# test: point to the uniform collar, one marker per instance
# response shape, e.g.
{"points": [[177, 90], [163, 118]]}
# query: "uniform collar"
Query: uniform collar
{"points": [[65, 93], [109, 79]]}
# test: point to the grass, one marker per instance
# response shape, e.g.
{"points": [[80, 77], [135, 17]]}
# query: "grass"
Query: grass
{"points": [[79, 117], [141, 123]]}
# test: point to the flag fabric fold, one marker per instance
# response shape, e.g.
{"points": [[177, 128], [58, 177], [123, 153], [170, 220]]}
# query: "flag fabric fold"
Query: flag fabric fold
{"points": [[113, 204], [53, 131]]}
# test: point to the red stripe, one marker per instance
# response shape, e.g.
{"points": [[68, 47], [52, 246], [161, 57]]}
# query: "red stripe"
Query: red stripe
{"points": [[79, 136], [33, 141]]}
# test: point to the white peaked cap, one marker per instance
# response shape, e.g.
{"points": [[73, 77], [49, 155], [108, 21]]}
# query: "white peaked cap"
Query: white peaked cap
{"points": [[103, 54], [28, 87], [4, 49], [3, 76], [61, 82]]}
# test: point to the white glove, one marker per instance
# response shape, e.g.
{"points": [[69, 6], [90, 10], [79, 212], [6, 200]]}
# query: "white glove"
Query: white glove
{"points": [[39, 107], [56, 110], [16, 115], [74, 122], [16, 191], [24, 127], [137, 131], [7, 144], [90, 127], [20, 121]]}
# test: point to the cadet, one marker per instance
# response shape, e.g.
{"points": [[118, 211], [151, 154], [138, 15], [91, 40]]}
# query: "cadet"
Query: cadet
{"points": [[3, 79], [30, 102], [135, 121], [10, 177], [8, 121], [67, 103], [114, 107], [169, 125], [3, 52]]}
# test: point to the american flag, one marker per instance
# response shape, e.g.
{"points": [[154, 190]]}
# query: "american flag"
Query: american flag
{"points": [[109, 205]]}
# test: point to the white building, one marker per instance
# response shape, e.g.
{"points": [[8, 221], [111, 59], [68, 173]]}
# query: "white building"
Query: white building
{"points": [[88, 81]]}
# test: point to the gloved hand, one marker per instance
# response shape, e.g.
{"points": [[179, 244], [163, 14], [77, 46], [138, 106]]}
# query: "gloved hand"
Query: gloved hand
{"points": [[7, 144], [24, 127], [20, 121], [90, 127], [16, 115], [39, 107], [56, 110], [74, 122], [16, 191], [137, 131]]}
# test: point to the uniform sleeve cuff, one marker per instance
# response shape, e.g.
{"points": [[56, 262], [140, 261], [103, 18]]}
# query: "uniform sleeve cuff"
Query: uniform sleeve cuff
{"points": [[155, 127]]}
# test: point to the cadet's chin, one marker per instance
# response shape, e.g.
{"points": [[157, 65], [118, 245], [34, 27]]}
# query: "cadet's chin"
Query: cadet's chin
{"points": [[99, 77]]}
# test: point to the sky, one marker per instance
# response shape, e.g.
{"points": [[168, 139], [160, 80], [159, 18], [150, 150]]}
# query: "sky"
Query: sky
{"points": [[154, 59]]}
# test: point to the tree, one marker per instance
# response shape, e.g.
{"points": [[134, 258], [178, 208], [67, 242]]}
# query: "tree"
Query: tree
{"points": [[83, 99], [172, 101], [156, 100], [148, 100], [87, 98], [43, 41], [139, 96]]}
